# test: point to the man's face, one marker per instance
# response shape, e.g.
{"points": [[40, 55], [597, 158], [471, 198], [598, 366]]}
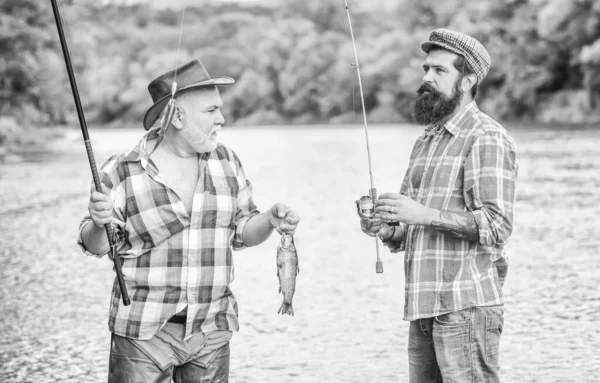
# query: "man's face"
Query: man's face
{"points": [[202, 118], [440, 94]]}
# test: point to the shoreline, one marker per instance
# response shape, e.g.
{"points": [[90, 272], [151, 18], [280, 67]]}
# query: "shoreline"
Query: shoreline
{"points": [[34, 144]]}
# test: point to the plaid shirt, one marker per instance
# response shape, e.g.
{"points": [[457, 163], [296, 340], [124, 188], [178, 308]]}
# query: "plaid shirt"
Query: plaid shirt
{"points": [[173, 260], [469, 164]]}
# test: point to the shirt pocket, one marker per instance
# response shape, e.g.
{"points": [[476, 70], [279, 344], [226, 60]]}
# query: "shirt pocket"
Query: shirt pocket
{"points": [[221, 204]]}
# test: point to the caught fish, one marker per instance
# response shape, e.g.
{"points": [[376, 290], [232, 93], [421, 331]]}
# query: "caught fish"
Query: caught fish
{"points": [[287, 269]]}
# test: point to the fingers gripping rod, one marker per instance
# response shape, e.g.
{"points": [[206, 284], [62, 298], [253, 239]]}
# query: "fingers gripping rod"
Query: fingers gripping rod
{"points": [[372, 191]]}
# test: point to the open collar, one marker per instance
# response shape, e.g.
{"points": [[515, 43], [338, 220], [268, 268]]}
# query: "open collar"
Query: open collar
{"points": [[453, 125]]}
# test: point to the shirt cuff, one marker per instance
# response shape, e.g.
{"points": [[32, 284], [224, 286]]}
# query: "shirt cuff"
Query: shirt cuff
{"points": [[82, 246], [238, 241], [483, 227]]}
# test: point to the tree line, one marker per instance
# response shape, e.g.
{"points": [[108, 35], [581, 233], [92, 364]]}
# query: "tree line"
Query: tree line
{"points": [[293, 62]]}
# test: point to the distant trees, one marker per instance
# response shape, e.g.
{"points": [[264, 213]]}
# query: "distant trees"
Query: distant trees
{"points": [[29, 62], [545, 53], [292, 64]]}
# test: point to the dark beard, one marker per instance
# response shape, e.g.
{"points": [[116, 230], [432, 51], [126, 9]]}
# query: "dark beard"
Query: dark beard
{"points": [[432, 107]]}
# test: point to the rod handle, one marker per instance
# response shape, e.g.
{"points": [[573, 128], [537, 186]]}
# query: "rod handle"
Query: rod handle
{"points": [[378, 264], [108, 227]]}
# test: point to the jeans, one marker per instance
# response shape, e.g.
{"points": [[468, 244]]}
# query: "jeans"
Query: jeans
{"points": [[201, 359], [458, 347]]}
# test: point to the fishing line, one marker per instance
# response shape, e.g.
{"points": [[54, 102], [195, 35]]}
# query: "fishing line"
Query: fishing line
{"points": [[65, 24], [179, 46], [170, 108]]}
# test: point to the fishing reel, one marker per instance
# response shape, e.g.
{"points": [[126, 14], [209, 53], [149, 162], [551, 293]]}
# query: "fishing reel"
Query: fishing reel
{"points": [[365, 207]]}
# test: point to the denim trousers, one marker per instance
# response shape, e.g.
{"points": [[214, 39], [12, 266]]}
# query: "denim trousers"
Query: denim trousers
{"points": [[458, 347], [204, 358]]}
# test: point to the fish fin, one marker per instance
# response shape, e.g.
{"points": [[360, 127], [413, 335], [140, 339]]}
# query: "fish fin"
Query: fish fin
{"points": [[279, 289]]}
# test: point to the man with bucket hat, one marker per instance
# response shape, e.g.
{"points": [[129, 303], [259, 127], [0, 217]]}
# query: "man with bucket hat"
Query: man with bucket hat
{"points": [[180, 203], [455, 214]]}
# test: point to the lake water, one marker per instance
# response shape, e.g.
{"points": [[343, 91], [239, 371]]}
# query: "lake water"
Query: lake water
{"points": [[348, 320]]}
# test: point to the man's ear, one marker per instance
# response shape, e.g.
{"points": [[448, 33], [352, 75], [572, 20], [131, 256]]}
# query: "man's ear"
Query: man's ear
{"points": [[178, 117], [468, 82]]}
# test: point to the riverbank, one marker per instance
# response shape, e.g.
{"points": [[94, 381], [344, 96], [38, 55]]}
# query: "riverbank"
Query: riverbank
{"points": [[348, 325], [18, 144]]}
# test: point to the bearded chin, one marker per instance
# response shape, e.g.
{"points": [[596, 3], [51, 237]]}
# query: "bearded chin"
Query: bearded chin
{"points": [[430, 108]]}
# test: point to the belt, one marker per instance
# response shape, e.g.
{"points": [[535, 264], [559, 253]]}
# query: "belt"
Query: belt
{"points": [[179, 319]]}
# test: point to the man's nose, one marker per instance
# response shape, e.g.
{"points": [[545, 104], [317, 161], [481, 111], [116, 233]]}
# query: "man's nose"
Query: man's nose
{"points": [[220, 120], [427, 77]]}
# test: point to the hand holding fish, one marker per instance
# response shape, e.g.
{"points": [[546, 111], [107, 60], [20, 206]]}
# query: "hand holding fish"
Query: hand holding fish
{"points": [[397, 207], [284, 219]]}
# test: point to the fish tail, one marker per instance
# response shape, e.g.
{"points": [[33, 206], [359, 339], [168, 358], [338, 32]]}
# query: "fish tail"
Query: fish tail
{"points": [[286, 309]]}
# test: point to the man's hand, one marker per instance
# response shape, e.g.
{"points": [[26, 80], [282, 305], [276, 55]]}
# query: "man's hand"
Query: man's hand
{"points": [[100, 207], [397, 207], [375, 227], [283, 219]]}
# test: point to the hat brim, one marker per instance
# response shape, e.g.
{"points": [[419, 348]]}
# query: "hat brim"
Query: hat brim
{"points": [[426, 47], [154, 111]]}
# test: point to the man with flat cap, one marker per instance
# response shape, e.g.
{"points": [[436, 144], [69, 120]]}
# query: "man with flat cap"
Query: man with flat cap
{"points": [[455, 215], [179, 202]]}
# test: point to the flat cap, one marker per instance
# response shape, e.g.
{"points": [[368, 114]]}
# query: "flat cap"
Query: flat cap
{"points": [[470, 48]]}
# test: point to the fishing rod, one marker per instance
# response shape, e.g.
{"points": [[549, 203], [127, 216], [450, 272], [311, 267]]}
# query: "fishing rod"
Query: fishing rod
{"points": [[88, 148], [366, 205]]}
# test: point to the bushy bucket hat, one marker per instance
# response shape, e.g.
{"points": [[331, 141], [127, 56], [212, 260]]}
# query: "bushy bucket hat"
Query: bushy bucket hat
{"points": [[190, 75]]}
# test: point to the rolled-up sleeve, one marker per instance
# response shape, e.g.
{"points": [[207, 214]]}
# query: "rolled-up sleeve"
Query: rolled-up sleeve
{"points": [[490, 175], [399, 246], [246, 209]]}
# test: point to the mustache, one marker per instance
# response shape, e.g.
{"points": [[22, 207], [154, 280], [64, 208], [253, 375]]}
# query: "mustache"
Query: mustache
{"points": [[428, 88]]}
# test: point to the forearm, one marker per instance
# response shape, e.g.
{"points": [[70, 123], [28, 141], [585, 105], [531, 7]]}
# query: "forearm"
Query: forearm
{"points": [[458, 224], [94, 238], [257, 230]]}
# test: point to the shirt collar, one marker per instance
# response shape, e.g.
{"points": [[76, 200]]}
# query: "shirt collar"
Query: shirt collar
{"points": [[453, 125], [140, 152]]}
